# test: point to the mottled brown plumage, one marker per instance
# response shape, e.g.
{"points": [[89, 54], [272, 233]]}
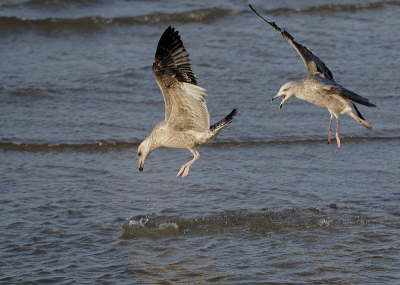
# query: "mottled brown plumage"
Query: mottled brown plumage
{"points": [[187, 122]]}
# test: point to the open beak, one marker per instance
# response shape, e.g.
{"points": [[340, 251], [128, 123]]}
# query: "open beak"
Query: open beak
{"points": [[276, 96], [283, 99], [140, 166]]}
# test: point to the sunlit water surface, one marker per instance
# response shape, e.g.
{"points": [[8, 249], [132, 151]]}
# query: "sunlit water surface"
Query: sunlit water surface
{"points": [[269, 201]]}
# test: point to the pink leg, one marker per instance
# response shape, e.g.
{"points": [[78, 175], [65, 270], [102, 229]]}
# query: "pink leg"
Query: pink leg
{"points": [[330, 129], [185, 168], [337, 133]]}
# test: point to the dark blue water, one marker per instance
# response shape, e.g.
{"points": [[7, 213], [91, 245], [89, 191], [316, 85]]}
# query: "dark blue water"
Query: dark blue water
{"points": [[269, 201]]}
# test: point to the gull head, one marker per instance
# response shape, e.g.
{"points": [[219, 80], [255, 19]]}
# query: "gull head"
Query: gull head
{"points": [[287, 90], [143, 153]]}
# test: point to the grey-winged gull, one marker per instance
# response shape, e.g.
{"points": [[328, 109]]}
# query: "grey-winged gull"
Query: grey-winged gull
{"points": [[187, 122], [320, 89]]}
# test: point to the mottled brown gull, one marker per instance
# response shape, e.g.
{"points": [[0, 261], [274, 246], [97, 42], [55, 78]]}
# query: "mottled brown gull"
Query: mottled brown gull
{"points": [[187, 122], [320, 89]]}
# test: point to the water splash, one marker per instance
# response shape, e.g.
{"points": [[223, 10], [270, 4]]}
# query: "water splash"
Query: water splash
{"points": [[138, 222]]}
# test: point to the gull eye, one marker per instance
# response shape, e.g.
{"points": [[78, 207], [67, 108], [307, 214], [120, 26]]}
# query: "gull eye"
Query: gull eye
{"points": [[139, 153], [286, 89]]}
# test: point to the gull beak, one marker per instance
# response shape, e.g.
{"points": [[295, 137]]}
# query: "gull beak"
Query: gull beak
{"points": [[140, 166], [283, 99], [276, 96]]}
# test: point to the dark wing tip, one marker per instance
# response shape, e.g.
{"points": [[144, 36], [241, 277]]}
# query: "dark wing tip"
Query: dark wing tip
{"points": [[272, 24], [231, 114], [358, 112], [354, 97], [305, 53], [172, 58]]}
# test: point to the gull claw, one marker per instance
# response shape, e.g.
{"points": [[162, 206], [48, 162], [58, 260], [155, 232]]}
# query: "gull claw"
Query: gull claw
{"points": [[184, 171], [338, 141], [329, 136]]}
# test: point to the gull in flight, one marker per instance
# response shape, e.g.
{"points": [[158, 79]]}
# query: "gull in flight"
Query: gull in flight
{"points": [[187, 122], [320, 89]]}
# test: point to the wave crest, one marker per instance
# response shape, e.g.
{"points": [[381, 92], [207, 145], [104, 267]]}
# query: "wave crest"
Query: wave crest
{"points": [[98, 23], [335, 8], [104, 146]]}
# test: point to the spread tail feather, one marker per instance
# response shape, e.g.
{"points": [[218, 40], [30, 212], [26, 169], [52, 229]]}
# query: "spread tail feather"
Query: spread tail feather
{"points": [[364, 123], [228, 119], [359, 118]]}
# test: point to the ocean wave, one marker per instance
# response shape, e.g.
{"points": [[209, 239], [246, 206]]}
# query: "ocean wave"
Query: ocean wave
{"points": [[50, 4], [99, 23], [242, 222], [335, 8], [60, 147], [104, 146], [61, 3], [36, 93]]}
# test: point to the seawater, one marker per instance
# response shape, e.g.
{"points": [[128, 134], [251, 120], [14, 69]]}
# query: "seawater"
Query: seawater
{"points": [[268, 202]]}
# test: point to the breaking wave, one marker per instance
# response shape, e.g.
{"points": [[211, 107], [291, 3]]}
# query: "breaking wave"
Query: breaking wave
{"points": [[99, 23], [104, 146], [96, 23], [335, 8]]}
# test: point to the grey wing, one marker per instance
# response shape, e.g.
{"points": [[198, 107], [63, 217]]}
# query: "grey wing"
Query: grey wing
{"points": [[349, 95], [185, 104], [314, 66]]}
